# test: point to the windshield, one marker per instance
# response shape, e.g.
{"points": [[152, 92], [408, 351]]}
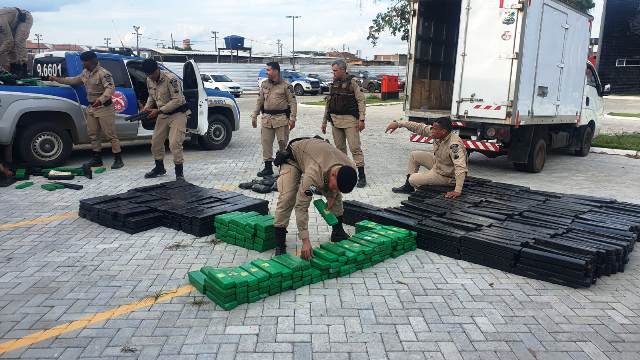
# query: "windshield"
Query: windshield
{"points": [[221, 78], [294, 74]]}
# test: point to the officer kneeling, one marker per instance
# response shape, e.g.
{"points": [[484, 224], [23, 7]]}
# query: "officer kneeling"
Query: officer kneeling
{"points": [[324, 167], [447, 164]]}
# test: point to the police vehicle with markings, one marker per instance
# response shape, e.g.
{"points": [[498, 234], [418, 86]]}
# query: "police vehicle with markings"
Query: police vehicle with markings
{"points": [[39, 125]]}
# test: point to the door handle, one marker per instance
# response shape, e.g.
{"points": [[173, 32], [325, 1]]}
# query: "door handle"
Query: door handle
{"points": [[587, 101]]}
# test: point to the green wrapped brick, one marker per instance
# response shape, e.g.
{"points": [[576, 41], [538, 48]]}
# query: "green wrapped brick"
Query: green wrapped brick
{"points": [[336, 250], [51, 186], [197, 278], [366, 225], [21, 174], [24, 185], [326, 214]]}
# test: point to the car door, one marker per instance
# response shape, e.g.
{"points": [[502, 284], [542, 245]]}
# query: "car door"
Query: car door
{"points": [[196, 97], [593, 106], [124, 98]]}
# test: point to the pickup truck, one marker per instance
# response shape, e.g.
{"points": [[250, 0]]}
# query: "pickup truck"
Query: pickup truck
{"points": [[301, 84], [512, 75], [39, 125]]}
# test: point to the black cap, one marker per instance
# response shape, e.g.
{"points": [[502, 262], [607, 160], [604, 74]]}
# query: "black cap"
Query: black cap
{"points": [[347, 178], [444, 123], [149, 66], [88, 55]]}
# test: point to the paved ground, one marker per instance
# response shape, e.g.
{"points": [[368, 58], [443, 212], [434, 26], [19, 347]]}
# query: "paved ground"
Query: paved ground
{"points": [[421, 305]]}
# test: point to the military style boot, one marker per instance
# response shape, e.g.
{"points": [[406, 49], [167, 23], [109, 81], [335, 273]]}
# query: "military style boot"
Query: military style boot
{"points": [[404, 189], [337, 231], [268, 169], [96, 161], [23, 70], [280, 235], [117, 161], [179, 172], [362, 178], [156, 171]]}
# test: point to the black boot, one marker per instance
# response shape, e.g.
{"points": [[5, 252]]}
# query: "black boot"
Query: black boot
{"points": [[337, 231], [404, 189], [96, 161], [15, 69], [156, 171], [362, 178], [179, 172], [280, 236], [117, 161], [23, 71], [268, 169]]}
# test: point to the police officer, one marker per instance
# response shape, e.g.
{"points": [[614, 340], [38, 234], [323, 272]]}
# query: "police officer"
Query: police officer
{"points": [[15, 25], [100, 113], [447, 164], [311, 163], [167, 105], [345, 110], [277, 103]]}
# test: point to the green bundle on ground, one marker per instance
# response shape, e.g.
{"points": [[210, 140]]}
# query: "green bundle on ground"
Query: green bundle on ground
{"points": [[246, 229], [230, 287]]}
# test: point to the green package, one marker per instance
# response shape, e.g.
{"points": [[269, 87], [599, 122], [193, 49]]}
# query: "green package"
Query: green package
{"points": [[327, 215]]}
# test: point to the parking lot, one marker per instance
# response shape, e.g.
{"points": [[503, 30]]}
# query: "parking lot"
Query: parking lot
{"points": [[70, 288]]}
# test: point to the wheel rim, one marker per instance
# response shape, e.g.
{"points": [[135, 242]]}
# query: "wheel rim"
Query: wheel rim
{"points": [[46, 146], [299, 90], [372, 89], [216, 133]]}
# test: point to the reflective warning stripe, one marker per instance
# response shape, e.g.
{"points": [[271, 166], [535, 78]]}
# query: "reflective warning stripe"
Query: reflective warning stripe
{"points": [[469, 144], [488, 107]]}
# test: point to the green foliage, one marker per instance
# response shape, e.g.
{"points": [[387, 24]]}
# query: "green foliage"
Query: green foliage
{"points": [[397, 18]]}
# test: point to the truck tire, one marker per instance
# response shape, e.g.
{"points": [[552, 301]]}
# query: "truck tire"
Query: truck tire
{"points": [[44, 145], [586, 136], [537, 158], [299, 90], [371, 88], [218, 134]]}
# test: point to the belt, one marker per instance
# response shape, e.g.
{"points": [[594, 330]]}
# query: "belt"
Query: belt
{"points": [[275, 112]]}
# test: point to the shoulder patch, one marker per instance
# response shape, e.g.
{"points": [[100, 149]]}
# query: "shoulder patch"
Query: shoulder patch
{"points": [[174, 83], [291, 89], [455, 150]]}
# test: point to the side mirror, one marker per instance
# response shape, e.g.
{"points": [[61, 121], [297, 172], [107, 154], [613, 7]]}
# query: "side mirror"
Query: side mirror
{"points": [[606, 90]]}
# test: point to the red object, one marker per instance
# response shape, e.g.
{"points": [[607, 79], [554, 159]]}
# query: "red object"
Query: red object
{"points": [[469, 144], [592, 60], [389, 84]]}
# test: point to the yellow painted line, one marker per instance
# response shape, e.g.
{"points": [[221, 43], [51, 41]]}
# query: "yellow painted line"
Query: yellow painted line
{"points": [[86, 321], [41, 220]]}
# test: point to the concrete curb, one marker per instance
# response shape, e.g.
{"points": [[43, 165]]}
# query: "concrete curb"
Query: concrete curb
{"points": [[629, 118], [627, 153]]}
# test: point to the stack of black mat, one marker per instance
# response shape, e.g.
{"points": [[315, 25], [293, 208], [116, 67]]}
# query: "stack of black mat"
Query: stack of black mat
{"points": [[565, 239], [177, 205]]}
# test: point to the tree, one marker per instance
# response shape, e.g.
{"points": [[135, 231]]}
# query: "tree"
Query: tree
{"points": [[397, 18]]}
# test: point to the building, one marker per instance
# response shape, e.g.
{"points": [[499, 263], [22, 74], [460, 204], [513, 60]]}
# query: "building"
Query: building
{"points": [[393, 59], [35, 48], [619, 47]]}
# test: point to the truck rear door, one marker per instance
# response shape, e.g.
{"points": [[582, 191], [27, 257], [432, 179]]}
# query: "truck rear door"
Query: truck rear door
{"points": [[487, 51]]}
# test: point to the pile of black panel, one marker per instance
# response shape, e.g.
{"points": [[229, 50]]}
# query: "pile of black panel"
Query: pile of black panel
{"points": [[565, 239], [177, 205]]}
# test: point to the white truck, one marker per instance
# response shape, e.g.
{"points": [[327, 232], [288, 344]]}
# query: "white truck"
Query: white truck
{"points": [[512, 75]]}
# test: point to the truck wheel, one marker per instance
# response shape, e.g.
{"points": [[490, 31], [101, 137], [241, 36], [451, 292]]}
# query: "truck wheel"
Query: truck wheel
{"points": [[218, 134], [299, 90], [585, 142], [371, 88], [44, 145], [537, 158]]}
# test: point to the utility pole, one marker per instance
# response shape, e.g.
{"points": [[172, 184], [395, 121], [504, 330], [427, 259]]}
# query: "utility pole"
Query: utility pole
{"points": [[173, 44], [106, 40], [293, 47], [38, 38], [279, 48], [215, 42], [137, 33]]}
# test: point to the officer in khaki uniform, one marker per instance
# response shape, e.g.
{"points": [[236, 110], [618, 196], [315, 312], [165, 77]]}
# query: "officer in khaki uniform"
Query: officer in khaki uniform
{"points": [[166, 104], [345, 110], [100, 114], [277, 103], [15, 25], [447, 164], [310, 163]]}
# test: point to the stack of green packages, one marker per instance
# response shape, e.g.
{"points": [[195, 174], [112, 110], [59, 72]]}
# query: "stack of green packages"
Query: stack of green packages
{"points": [[246, 229], [229, 287]]}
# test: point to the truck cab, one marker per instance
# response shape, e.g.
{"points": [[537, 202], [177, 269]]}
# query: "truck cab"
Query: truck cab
{"points": [[40, 124]]}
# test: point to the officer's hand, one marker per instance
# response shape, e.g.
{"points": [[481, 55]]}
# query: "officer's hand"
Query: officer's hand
{"points": [[324, 128], [307, 250], [452, 195], [361, 125], [254, 122], [96, 103], [330, 201], [54, 78], [392, 127], [152, 113], [292, 124]]}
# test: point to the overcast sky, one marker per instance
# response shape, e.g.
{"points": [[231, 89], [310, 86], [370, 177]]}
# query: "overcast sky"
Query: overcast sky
{"points": [[325, 24]]}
